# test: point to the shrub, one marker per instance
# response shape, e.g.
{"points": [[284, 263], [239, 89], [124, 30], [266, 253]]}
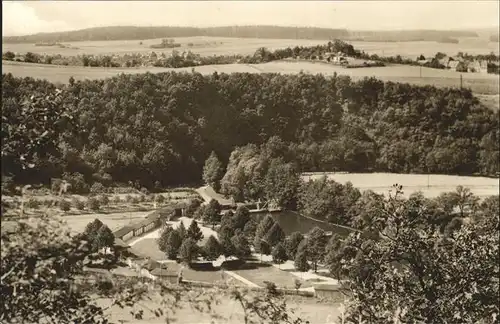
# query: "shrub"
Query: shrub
{"points": [[128, 198], [297, 284], [135, 200], [116, 200], [97, 188], [55, 185], [279, 253], [8, 186], [47, 202], [64, 205], [77, 182], [33, 203], [144, 191], [159, 198], [93, 203], [142, 198], [80, 205], [103, 200]]}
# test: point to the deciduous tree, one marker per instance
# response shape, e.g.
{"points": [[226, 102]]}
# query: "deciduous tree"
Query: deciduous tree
{"points": [[447, 277], [316, 244], [213, 171]]}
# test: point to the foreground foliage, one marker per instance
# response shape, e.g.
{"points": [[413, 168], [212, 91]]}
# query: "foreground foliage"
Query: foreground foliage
{"points": [[413, 272]]}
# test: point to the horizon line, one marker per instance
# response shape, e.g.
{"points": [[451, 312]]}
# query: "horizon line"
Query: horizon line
{"points": [[264, 25]]}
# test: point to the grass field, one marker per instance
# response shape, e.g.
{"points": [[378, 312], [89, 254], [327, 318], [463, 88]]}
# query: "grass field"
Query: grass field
{"points": [[113, 221], [259, 273], [479, 83], [245, 46], [431, 186]]}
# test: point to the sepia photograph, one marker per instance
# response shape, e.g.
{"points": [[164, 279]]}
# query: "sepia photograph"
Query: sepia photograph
{"points": [[250, 162]]}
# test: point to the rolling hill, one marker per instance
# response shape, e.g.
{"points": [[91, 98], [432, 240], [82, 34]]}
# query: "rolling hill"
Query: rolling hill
{"points": [[271, 32]]}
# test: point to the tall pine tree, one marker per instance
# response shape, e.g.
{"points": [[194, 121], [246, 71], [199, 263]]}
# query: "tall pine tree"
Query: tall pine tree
{"points": [[264, 226], [194, 232], [275, 235]]}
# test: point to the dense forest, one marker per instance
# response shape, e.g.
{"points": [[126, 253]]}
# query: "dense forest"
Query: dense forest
{"points": [[158, 129], [272, 32]]}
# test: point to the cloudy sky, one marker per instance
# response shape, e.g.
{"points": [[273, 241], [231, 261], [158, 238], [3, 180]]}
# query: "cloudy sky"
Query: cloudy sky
{"points": [[27, 17]]}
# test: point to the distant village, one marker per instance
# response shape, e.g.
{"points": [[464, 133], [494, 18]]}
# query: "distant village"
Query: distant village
{"points": [[461, 63], [337, 53]]}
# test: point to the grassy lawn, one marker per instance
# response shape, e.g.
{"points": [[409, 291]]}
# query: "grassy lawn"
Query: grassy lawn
{"points": [[148, 247], [258, 273]]}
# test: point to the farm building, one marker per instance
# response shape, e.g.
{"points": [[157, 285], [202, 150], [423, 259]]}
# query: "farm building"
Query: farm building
{"points": [[458, 66], [337, 58], [424, 61], [478, 67], [446, 60], [452, 65]]}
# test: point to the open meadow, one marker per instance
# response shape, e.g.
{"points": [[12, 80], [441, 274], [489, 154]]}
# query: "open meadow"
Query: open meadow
{"points": [[245, 46], [487, 84], [431, 186]]}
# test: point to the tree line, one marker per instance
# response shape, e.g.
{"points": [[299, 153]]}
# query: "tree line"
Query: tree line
{"points": [[269, 32], [261, 55], [158, 129]]}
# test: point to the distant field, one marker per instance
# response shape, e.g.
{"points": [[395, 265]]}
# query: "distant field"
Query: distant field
{"points": [[382, 183], [245, 46], [113, 221], [479, 83], [473, 46], [201, 45]]}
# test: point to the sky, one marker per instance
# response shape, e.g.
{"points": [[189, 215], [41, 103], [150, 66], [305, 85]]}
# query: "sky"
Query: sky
{"points": [[28, 17]]}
